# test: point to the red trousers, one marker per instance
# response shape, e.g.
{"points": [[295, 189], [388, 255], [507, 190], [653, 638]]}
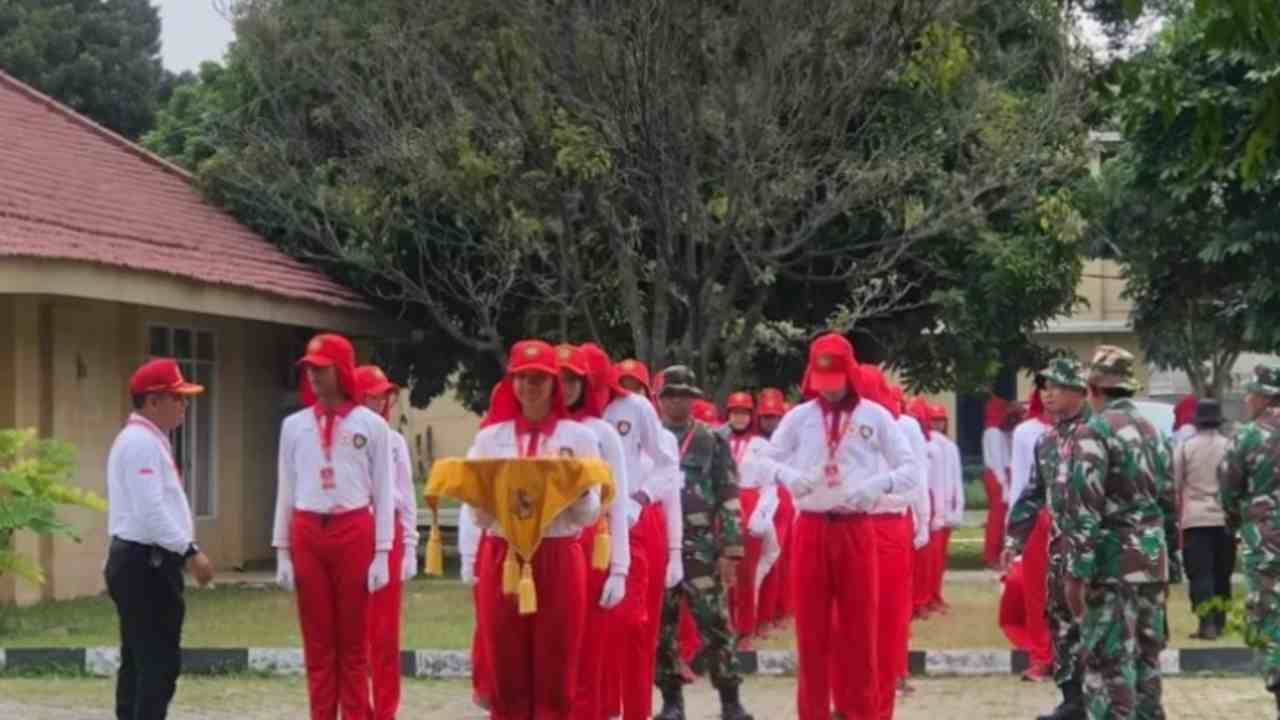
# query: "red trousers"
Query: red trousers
{"points": [[921, 574], [993, 542], [940, 542], [628, 692], [331, 557], [534, 658], [742, 599], [384, 635], [1012, 615], [835, 572], [775, 602], [894, 555], [481, 668], [638, 693], [598, 659], [1035, 569]]}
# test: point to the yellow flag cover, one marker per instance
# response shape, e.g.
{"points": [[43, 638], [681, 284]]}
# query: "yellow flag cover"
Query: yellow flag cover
{"points": [[523, 494]]}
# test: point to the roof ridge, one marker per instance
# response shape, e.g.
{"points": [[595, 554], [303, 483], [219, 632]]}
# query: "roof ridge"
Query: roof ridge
{"points": [[105, 133]]}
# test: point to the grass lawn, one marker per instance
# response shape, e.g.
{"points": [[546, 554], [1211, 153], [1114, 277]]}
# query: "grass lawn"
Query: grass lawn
{"points": [[438, 614]]}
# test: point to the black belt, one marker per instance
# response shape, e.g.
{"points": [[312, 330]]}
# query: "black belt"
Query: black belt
{"points": [[156, 555]]}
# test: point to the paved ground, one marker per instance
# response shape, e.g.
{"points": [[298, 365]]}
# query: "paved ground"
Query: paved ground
{"points": [[256, 698]]}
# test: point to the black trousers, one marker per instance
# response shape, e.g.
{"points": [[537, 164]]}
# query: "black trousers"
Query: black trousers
{"points": [[146, 585], [1210, 557]]}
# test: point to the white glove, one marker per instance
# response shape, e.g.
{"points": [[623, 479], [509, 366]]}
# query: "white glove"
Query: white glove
{"points": [[615, 589], [675, 568], [806, 484], [922, 536], [379, 573], [937, 524], [409, 566], [585, 509], [761, 521], [284, 570], [468, 570]]}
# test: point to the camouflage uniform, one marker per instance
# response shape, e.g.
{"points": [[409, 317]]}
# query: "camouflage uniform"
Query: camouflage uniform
{"points": [[1047, 488], [1249, 487], [711, 532], [1119, 499]]}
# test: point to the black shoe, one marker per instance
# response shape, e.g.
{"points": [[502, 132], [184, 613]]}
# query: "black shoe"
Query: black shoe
{"points": [[672, 704], [731, 706], [1072, 707]]}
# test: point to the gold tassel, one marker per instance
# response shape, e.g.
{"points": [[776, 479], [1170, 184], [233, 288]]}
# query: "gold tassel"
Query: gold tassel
{"points": [[600, 550], [528, 593], [510, 572], [435, 550]]}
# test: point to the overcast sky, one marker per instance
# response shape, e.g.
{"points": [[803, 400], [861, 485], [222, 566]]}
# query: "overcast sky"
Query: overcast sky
{"points": [[192, 32]]}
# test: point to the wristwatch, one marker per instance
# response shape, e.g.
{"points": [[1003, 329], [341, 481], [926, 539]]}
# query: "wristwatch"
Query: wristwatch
{"points": [[192, 550]]}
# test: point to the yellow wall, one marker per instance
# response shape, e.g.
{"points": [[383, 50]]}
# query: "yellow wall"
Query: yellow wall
{"points": [[452, 428], [64, 366]]}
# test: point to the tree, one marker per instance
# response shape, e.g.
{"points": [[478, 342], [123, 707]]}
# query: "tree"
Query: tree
{"points": [[34, 480], [698, 182], [1196, 242], [100, 58]]}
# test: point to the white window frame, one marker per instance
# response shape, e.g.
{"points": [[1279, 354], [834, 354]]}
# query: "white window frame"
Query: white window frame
{"points": [[190, 475]]}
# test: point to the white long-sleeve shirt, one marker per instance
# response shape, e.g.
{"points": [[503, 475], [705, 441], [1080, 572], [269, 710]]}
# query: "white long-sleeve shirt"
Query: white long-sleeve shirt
{"points": [[569, 438], [640, 430], [405, 492], [915, 500], [997, 455], [951, 481], [360, 462], [870, 435], [146, 502], [669, 494], [1023, 456], [619, 539]]}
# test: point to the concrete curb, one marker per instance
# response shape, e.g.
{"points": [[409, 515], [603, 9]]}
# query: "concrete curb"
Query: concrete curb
{"points": [[456, 664]]}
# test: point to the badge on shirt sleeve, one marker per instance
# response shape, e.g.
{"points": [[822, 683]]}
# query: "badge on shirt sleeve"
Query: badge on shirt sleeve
{"points": [[624, 427], [866, 431], [566, 452], [359, 441]]}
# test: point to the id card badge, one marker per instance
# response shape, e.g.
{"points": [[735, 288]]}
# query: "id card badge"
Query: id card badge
{"points": [[832, 474], [327, 479]]}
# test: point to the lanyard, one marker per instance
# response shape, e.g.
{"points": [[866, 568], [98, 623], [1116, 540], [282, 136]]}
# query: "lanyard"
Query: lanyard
{"points": [[835, 434], [739, 445], [164, 442], [531, 450], [684, 445]]}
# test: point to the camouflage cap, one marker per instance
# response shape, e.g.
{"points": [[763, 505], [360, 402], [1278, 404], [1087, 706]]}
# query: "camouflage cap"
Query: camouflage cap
{"points": [[1114, 367], [679, 380], [1266, 380], [1065, 371]]}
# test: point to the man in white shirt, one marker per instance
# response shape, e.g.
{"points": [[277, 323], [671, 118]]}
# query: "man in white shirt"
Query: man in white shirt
{"points": [[849, 454], [998, 425], [653, 512], [334, 524], [152, 538], [949, 484], [384, 605]]}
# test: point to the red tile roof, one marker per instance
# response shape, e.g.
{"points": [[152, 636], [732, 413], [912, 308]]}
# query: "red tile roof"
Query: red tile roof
{"points": [[73, 190]]}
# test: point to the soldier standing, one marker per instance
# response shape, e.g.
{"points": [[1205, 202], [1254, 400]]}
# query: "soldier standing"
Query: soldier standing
{"points": [[1064, 397], [1118, 500], [1249, 480], [711, 549]]}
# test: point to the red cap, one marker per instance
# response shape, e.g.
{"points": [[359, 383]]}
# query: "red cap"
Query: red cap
{"points": [[937, 412], [571, 358], [161, 375], [832, 366], [532, 356], [329, 350], [604, 378], [772, 403], [705, 411], [633, 368], [740, 401], [897, 397], [372, 381]]}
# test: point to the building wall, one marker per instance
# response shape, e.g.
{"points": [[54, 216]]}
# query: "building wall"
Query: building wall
{"points": [[64, 366], [445, 428]]}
